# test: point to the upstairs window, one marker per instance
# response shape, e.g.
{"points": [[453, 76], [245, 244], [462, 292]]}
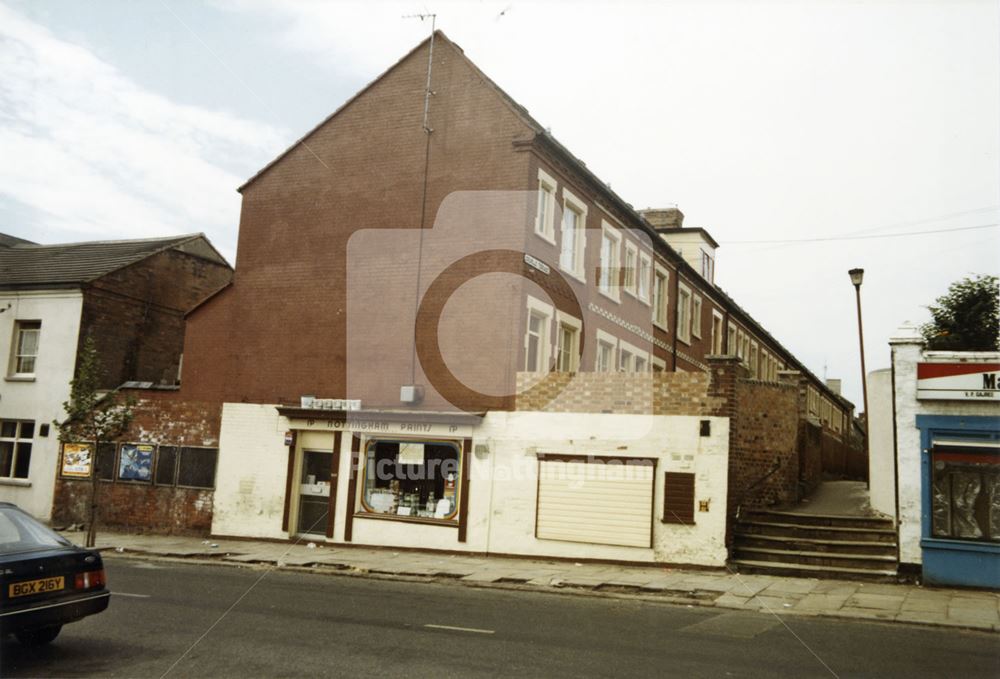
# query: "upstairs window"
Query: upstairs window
{"points": [[26, 336], [660, 298], [642, 285], [684, 313], [731, 342], [716, 334], [608, 274], [571, 250], [15, 448], [545, 216], [629, 277], [707, 266], [696, 316]]}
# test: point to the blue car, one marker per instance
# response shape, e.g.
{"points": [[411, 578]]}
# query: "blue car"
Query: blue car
{"points": [[45, 580]]}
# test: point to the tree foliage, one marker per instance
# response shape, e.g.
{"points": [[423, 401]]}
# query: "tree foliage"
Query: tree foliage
{"points": [[93, 417], [967, 318]]}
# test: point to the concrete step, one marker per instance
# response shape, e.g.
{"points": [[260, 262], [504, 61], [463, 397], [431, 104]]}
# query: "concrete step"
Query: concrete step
{"points": [[810, 571], [863, 547], [796, 530], [821, 559], [802, 519]]}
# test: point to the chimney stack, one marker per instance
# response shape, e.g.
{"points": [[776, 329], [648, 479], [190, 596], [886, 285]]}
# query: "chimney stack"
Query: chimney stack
{"points": [[834, 385], [664, 218]]}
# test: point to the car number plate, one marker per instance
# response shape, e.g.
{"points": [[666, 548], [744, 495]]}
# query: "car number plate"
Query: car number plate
{"points": [[40, 586]]}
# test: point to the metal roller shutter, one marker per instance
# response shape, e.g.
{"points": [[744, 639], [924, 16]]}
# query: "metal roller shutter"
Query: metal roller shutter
{"points": [[601, 501]]}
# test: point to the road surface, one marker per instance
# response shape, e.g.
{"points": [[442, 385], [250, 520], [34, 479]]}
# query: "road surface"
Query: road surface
{"points": [[180, 620]]}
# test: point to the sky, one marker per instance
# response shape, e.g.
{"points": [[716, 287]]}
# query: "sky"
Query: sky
{"points": [[860, 125]]}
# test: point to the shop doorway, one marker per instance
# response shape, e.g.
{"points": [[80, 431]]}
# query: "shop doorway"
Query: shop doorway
{"points": [[314, 491]]}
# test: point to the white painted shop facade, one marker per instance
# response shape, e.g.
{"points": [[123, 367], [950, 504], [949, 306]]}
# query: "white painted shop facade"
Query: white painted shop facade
{"points": [[935, 459], [564, 485], [39, 330]]}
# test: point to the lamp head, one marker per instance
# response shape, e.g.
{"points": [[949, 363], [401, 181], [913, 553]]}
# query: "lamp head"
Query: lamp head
{"points": [[856, 276]]}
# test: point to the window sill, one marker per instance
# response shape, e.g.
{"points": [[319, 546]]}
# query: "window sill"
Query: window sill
{"points": [[686, 340], [664, 328], [20, 483], [614, 298], [551, 240], [644, 300], [19, 378], [452, 523]]}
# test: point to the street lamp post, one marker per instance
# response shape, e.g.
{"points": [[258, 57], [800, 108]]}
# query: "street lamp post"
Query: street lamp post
{"points": [[857, 275]]}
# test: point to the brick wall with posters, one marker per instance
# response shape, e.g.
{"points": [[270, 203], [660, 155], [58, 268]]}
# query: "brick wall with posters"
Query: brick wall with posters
{"points": [[161, 418], [136, 314]]}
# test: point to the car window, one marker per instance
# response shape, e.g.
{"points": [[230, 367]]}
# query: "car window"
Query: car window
{"points": [[21, 533]]}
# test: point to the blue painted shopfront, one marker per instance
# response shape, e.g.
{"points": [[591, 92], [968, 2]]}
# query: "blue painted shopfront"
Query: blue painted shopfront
{"points": [[960, 499]]}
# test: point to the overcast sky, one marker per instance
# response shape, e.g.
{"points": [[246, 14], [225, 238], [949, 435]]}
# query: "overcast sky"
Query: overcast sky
{"points": [[761, 121]]}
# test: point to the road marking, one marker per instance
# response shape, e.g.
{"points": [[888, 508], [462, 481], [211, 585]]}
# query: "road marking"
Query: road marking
{"points": [[462, 629], [137, 596]]}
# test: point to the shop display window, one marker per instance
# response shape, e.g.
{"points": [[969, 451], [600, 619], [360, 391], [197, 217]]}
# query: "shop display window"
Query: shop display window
{"points": [[412, 479], [965, 495]]}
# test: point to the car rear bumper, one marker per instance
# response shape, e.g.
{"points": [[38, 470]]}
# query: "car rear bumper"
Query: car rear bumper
{"points": [[49, 613]]}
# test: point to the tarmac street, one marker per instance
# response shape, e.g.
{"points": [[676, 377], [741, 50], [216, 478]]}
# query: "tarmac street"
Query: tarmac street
{"points": [[185, 620]]}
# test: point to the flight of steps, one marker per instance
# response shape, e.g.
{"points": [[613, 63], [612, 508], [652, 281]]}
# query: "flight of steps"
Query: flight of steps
{"points": [[809, 545]]}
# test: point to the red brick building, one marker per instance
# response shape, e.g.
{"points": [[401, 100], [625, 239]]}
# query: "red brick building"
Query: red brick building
{"points": [[429, 260]]}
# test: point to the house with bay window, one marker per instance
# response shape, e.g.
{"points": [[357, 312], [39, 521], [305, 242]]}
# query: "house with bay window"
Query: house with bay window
{"points": [[129, 295], [446, 332]]}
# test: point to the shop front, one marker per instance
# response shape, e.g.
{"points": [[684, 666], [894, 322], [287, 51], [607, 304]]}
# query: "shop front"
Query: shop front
{"points": [[605, 487], [961, 498], [360, 476]]}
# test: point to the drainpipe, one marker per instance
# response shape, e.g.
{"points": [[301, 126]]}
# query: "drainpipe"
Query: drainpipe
{"points": [[677, 291], [895, 450]]}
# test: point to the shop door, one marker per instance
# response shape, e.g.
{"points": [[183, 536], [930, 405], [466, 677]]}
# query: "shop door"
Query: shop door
{"points": [[314, 491]]}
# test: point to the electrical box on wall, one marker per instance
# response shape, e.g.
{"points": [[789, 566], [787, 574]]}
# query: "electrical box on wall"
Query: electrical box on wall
{"points": [[411, 393]]}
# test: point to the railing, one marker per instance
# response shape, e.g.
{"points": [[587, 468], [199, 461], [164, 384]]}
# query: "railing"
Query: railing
{"points": [[746, 491]]}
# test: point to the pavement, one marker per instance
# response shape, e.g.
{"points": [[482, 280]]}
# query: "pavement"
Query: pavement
{"points": [[838, 498], [720, 588]]}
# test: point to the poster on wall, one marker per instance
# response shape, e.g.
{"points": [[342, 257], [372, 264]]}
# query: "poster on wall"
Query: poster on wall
{"points": [[136, 462], [77, 459]]}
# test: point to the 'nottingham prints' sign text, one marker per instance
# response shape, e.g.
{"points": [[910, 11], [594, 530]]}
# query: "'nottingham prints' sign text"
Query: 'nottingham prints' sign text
{"points": [[958, 381]]}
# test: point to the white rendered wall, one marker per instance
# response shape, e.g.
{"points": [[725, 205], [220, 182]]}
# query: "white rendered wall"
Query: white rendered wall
{"points": [[249, 497], [882, 454], [39, 399], [907, 352]]}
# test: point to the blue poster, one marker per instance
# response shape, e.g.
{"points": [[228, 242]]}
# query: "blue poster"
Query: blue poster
{"points": [[136, 462]]}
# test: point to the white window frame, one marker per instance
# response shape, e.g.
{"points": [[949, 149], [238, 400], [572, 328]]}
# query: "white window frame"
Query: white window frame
{"points": [[732, 340], [718, 325], [754, 356], [631, 271], [564, 319], [545, 224], [684, 323], [609, 285], [644, 259], [607, 339], [635, 353], [21, 327], [657, 362], [577, 267], [538, 307], [660, 307], [696, 311]]}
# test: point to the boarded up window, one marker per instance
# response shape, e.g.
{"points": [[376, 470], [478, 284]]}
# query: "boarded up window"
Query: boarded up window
{"points": [[196, 468], [595, 500], [106, 453], [678, 498], [166, 466]]}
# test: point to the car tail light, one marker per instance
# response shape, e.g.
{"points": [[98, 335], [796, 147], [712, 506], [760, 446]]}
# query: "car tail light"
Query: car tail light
{"points": [[90, 579]]}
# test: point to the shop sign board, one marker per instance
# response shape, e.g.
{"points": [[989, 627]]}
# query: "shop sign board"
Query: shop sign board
{"points": [[958, 381]]}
